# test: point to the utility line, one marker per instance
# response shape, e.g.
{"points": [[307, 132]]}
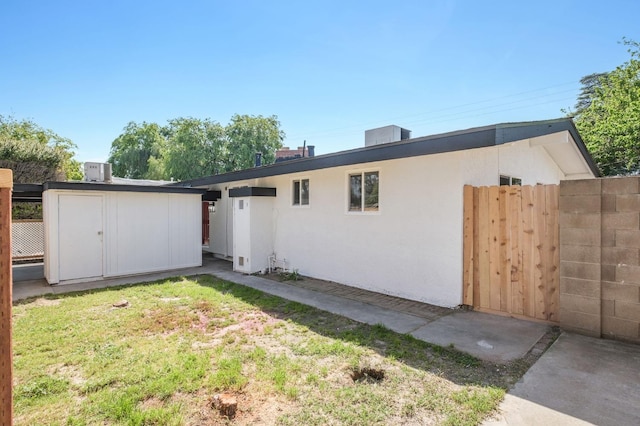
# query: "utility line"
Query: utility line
{"points": [[440, 110]]}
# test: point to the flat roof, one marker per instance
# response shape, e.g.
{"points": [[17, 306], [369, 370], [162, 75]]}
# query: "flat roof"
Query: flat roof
{"points": [[478, 137], [97, 186]]}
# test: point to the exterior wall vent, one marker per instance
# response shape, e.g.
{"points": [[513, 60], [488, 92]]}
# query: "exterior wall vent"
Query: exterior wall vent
{"points": [[385, 135], [97, 172]]}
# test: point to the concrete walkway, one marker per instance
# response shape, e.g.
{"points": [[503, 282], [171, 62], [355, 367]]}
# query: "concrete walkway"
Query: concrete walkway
{"points": [[579, 380]]}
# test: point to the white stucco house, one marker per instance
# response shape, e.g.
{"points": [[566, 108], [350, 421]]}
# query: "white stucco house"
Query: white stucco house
{"points": [[387, 217]]}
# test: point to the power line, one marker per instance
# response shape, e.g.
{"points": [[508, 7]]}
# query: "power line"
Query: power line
{"points": [[463, 112]]}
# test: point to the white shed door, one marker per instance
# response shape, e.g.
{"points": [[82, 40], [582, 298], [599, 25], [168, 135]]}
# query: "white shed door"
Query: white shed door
{"points": [[80, 236]]}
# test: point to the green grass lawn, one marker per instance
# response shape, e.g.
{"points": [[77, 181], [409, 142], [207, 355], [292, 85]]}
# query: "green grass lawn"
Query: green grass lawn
{"points": [[160, 360]]}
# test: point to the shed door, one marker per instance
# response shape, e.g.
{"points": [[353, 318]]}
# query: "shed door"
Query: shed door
{"points": [[80, 236]]}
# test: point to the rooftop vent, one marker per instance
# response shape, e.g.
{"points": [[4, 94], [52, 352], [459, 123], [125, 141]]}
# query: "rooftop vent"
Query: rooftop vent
{"points": [[97, 172], [385, 134]]}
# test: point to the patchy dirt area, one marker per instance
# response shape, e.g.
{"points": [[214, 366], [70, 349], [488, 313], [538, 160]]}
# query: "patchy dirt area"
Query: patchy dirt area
{"points": [[178, 344]]}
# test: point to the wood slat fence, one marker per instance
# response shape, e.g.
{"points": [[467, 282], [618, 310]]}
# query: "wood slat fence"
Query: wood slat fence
{"points": [[511, 250]]}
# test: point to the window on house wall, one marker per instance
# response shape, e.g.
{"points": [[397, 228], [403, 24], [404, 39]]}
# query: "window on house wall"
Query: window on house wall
{"points": [[363, 191], [300, 192], [510, 180]]}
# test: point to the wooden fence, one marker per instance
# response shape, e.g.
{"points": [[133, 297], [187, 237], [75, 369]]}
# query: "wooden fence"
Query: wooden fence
{"points": [[511, 255], [6, 365]]}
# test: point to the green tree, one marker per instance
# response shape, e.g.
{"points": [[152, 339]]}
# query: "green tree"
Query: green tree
{"points": [[609, 121], [247, 135], [36, 154], [589, 84], [189, 148], [195, 148], [134, 150]]}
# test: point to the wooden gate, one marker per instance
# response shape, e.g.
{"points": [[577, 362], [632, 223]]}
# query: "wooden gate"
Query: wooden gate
{"points": [[511, 255]]}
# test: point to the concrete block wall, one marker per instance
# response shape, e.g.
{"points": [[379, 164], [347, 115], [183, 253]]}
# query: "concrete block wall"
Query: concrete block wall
{"points": [[600, 257]]}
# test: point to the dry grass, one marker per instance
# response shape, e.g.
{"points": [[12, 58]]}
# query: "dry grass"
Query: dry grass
{"points": [[160, 360]]}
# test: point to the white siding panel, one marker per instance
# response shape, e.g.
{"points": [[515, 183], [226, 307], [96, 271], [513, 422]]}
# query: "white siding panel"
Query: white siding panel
{"points": [[262, 224], [142, 236], [50, 219], [185, 219], [242, 256]]}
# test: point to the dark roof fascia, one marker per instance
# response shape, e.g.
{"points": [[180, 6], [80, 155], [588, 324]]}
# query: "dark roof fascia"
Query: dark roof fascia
{"points": [[410, 148], [512, 132], [87, 186], [26, 192], [252, 191], [212, 196], [478, 137]]}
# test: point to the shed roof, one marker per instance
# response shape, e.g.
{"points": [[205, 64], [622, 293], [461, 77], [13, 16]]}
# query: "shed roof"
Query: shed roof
{"points": [[96, 186], [478, 137]]}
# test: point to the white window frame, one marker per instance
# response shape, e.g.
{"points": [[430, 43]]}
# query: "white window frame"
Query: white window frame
{"points": [[511, 179], [292, 186], [347, 199]]}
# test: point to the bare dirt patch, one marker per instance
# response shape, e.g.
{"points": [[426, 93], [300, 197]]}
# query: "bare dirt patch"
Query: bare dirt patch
{"points": [[41, 301]]}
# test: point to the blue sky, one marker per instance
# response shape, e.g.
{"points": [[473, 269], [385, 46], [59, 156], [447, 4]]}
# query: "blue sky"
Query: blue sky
{"points": [[328, 69]]}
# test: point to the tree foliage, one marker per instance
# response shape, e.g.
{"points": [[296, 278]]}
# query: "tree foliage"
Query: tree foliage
{"points": [[188, 148], [35, 154], [196, 148], [608, 116], [589, 85], [248, 135], [132, 150]]}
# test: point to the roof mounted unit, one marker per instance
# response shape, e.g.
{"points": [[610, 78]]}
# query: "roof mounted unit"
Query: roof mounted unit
{"points": [[385, 135], [97, 172]]}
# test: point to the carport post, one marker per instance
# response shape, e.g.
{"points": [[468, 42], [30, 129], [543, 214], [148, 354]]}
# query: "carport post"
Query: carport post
{"points": [[6, 367]]}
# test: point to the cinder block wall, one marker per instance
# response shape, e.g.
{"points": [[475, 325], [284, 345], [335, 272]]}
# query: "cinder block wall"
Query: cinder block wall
{"points": [[600, 257]]}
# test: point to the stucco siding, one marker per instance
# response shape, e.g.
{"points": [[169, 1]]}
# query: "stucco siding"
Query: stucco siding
{"points": [[412, 246]]}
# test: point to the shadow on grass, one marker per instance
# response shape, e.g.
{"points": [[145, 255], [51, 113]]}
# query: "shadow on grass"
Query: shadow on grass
{"points": [[447, 362]]}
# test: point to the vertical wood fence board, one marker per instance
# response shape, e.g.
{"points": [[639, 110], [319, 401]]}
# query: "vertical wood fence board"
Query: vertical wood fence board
{"points": [[516, 282], [553, 253], [483, 243], [476, 248], [6, 365], [467, 293], [528, 264], [505, 251], [540, 213], [494, 246]]}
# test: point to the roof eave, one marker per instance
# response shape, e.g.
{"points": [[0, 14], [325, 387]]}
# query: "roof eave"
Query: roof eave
{"points": [[478, 137]]}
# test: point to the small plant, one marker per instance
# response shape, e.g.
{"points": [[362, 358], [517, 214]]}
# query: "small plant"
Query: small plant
{"points": [[290, 275]]}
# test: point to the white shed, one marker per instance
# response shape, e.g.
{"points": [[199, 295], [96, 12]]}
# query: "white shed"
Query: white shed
{"points": [[94, 230]]}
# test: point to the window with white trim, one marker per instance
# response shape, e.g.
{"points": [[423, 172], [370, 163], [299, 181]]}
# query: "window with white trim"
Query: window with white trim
{"points": [[363, 191], [510, 180], [300, 192]]}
